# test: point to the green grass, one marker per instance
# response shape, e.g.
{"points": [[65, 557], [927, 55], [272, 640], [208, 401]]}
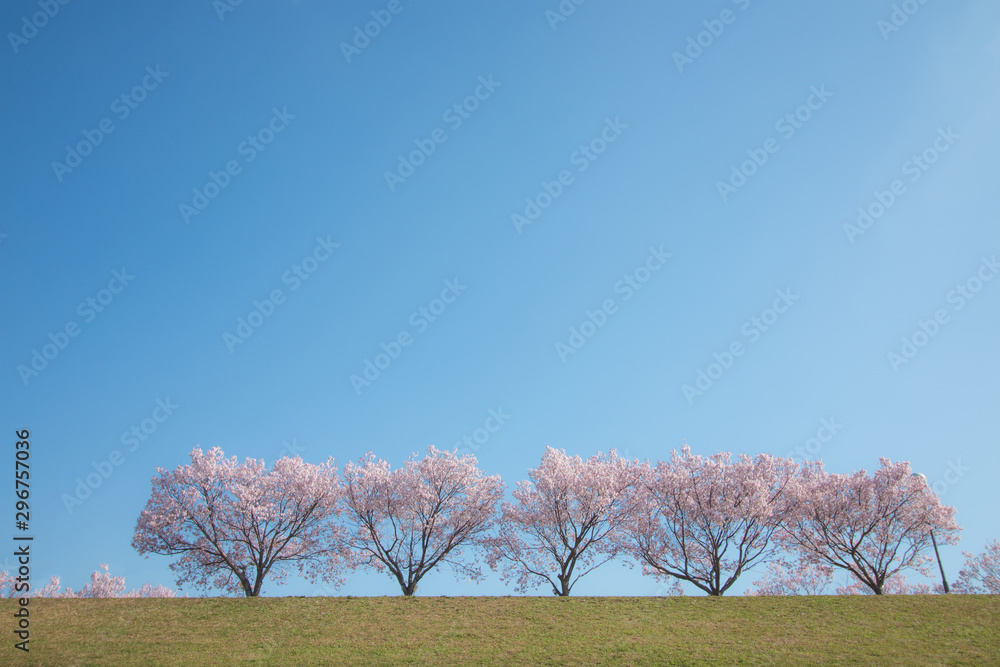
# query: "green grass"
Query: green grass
{"points": [[903, 630]]}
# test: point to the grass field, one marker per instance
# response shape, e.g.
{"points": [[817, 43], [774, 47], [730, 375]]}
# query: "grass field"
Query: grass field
{"points": [[903, 630]]}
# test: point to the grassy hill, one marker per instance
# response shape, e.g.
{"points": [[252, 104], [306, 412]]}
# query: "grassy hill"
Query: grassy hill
{"points": [[903, 630]]}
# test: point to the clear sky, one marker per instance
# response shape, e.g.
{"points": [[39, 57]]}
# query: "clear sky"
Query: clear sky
{"points": [[174, 163]]}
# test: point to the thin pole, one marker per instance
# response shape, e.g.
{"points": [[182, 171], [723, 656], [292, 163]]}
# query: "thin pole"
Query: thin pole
{"points": [[940, 566]]}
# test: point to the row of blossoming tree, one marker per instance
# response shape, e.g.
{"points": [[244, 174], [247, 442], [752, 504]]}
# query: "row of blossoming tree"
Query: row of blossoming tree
{"points": [[701, 520], [102, 584]]}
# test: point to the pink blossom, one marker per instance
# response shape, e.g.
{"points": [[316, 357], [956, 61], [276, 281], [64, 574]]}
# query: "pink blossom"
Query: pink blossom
{"points": [[102, 585], [707, 520], [872, 526], [233, 525], [410, 520], [981, 574], [893, 586], [9, 588], [563, 523], [801, 578]]}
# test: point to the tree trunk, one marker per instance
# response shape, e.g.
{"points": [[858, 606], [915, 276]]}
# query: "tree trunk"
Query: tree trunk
{"points": [[564, 588], [241, 573]]}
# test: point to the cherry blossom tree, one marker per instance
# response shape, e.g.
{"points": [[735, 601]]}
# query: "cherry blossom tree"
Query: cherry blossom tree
{"points": [[410, 520], [872, 526], [804, 578], [896, 585], [563, 521], [234, 524], [51, 589], [707, 520], [783, 578], [981, 573], [11, 588], [148, 590], [102, 585], [105, 585]]}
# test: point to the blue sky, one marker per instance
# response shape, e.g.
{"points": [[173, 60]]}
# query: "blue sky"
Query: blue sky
{"points": [[642, 139]]}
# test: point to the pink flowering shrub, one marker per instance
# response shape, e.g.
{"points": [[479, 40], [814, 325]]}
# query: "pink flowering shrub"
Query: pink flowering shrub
{"points": [[981, 574], [102, 585], [895, 586], [800, 578]]}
